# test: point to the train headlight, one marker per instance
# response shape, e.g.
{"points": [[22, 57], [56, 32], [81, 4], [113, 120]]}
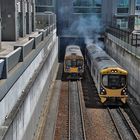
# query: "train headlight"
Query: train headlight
{"points": [[123, 92], [67, 68], [103, 91], [114, 71]]}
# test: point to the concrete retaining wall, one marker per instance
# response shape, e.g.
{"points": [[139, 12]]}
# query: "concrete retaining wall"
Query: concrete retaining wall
{"points": [[26, 53], [24, 123], [127, 59]]}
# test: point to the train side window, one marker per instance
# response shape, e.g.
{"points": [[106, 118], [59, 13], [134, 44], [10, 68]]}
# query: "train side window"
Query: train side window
{"points": [[105, 80]]}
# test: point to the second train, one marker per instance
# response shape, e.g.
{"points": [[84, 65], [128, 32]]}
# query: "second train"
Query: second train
{"points": [[109, 77], [73, 62]]}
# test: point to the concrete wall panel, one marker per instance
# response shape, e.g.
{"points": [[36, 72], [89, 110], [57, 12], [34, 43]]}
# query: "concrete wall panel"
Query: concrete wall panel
{"points": [[1, 67], [9, 19], [24, 124], [38, 38], [14, 58]]}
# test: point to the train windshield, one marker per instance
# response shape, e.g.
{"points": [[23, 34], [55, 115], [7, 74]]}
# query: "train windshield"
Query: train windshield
{"points": [[114, 81], [68, 63], [74, 63], [79, 63]]}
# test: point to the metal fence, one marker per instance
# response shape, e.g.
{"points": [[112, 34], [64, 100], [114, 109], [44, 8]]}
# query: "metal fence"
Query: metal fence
{"points": [[125, 35]]}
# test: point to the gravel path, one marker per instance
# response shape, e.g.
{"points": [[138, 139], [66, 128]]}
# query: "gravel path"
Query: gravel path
{"points": [[48, 132], [103, 128], [61, 132]]}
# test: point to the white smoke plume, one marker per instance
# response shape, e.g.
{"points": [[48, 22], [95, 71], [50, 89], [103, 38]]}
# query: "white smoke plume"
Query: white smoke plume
{"points": [[88, 27]]}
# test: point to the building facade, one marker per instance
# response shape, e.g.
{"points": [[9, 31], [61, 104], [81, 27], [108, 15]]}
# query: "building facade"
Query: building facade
{"points": [[45, 5], [126, 14], [18, 14]]}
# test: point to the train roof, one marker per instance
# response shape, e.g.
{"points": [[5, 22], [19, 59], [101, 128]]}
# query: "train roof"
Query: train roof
{"points": [[73, 50], [100, 58]]}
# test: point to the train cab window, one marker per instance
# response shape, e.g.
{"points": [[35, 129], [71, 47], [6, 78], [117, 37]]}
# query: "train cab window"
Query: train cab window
{"points": [[105, 80], [68, 63], [123, 80], [79, 63], [73, 63], [114, 81], [117, 81]]}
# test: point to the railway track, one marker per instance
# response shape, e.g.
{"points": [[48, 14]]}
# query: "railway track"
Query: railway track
{"points": [[124, 127], [133, 117], [76, 121]]}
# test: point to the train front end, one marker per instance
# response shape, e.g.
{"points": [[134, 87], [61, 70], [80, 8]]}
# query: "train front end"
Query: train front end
{"points": [[74, 67], [113, 84]]}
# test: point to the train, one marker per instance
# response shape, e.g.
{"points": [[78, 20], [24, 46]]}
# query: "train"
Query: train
{"points": [[73, 62], [109, 77]]}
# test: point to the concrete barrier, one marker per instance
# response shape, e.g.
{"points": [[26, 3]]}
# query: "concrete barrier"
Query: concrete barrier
{"points": [[1, 67], [14, 58], [26, 48], [12, 76], [38, 38], [10, 61], [24, 121]]}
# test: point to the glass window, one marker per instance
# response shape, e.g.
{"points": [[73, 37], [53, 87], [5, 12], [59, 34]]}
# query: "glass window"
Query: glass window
{"points": [[137, 23], [68, 63], [122, 23], [105, 80], [87, 6], [137, 8], [73, 63], [44, 2], [137, 2], [114, 81], [79, 63], [87, 2], [123, 3], [137, 20]]}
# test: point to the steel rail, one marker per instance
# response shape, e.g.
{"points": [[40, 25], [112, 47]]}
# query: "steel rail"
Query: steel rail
{"points": [[114, 123], [126, 123], [78, 88], [81, 109]]}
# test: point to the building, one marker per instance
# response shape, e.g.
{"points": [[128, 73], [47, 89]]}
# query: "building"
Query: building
{"points": [[45, 5], [126, 14], [18, 14]]}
